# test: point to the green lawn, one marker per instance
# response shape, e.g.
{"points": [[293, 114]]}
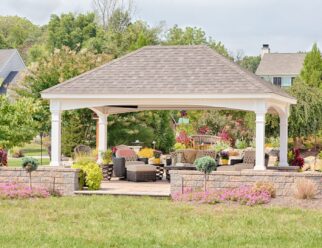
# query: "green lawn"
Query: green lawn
{"points": [[106, 221], [16, 162], [30, 150]]}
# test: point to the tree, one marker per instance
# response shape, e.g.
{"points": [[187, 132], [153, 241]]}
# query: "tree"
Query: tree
{"points": [[58, 67], [3, 42], [71, 30], [105, 9], [250, 62], [306, 116], [311, 73], [193, 36], [17, 125]]}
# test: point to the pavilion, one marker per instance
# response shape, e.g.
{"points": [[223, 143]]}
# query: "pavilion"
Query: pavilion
{"points": [[167, 78]]}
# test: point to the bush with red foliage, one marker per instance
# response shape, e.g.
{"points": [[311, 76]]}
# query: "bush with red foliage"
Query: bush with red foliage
{"points": [[3, 157], [298, 160], [183, 138]]}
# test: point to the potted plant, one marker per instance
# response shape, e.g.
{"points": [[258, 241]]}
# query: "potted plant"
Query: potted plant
{"points": [[157, 155], [107, 165], [206, 165], [224, 158], [145, 153], [30, 165]]}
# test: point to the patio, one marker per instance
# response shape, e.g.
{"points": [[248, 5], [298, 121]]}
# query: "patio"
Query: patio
{"points": [[160, 188]]}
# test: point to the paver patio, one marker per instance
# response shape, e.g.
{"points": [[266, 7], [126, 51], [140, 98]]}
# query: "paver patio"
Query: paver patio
{"points": [[120, 187]]}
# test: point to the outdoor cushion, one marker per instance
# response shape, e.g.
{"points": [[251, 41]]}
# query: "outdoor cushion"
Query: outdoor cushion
{"points": [[139, 167], [126, 153], [129, 163]]}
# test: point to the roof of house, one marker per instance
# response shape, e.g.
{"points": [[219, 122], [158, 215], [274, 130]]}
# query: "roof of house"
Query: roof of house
{"points": [[5, 55], [167, 70], [279, 64]]}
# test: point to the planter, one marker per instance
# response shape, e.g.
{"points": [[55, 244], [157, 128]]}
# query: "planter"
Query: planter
{"points": [[107, 170], [224, 161], [156, 160]]}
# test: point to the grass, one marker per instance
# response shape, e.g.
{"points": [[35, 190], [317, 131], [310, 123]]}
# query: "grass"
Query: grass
{"points": [[107, 221], [30, 150], [34, 149], [16, 162]]}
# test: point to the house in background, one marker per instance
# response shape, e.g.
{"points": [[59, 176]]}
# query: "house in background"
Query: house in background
{"points": [[280, 68], [11, 64]]}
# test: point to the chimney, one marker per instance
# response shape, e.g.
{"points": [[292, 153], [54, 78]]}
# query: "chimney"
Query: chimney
{"points": [[265, 49]]}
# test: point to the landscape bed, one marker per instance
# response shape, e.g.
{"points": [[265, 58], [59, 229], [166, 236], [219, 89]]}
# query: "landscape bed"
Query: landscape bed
{"points": [[96, 221]]}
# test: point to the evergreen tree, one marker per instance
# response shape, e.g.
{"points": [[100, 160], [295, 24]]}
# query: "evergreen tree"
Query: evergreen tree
{"points": [[311, 73]]}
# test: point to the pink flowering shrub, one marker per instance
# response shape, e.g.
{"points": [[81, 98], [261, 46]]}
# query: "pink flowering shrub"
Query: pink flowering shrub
{"points": [[16, 191], [244, 195], [183, 138]]}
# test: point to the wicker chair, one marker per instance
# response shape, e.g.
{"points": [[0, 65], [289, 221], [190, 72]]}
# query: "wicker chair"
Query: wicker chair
{"points": [[82, 150], [247, 162]]}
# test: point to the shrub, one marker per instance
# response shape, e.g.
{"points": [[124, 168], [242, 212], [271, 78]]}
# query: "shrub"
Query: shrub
{"points": [[320, 155], [16, 152], [183, 138], [90, 175], [30, 165], [273, 142], [179, 146], [15, 191], [3, 157], [206, 165], [221, 145], [265, 186], [241, 144], [146, 153], [305, 189]]}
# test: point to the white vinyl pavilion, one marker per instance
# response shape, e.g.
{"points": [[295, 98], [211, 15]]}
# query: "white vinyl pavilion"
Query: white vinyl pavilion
{"points": [[169, 78]]}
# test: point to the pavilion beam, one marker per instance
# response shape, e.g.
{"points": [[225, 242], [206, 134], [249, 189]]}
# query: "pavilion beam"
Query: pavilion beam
{"points": [[55, 133]]}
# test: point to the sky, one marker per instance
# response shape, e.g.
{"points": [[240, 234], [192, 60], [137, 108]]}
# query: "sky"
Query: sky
{"points": [[242, 25]]}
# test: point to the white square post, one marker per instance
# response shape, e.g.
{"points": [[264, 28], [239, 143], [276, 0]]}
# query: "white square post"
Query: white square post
{"points": [[55, 133], [102, 135], [260, 141], [284, 137]]}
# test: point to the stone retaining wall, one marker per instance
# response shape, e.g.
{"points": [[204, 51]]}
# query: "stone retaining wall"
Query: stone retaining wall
{"points": [[284, 181], [65, 180]]}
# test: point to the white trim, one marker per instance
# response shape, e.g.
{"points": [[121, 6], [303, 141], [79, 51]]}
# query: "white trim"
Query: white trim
{"points": [[171, 96]]}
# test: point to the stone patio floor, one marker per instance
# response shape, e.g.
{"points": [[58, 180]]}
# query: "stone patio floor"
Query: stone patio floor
{"points": [[120, 187]]}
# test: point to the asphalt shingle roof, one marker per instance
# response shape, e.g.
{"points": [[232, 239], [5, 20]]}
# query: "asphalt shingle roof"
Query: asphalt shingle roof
{"points": [[5, 54], [168, 70], [279, 64]]}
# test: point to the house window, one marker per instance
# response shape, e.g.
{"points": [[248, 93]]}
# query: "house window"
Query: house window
{"points": [[277, 81], [292, 80]]}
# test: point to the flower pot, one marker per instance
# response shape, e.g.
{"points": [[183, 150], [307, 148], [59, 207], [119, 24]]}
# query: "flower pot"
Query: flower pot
{"points": [[157, 161], [224, 161], [107, 170]]}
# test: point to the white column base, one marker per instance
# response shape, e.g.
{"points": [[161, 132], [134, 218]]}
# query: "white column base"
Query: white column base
{"points": [[285, 164], [55, 163]]}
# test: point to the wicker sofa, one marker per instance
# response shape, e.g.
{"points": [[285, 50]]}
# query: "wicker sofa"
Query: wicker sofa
{"points": [[188, 156], [247, 162]]}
